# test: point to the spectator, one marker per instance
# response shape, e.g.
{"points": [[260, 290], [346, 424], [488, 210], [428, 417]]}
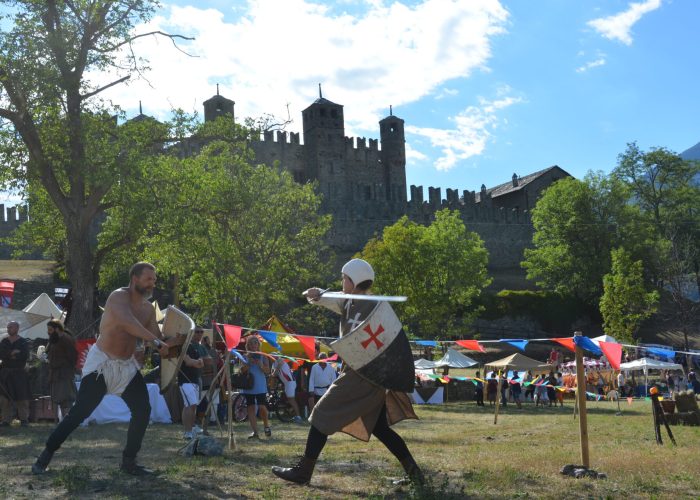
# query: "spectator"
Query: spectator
{"points": [[541, 391], [478, 390], [529, 387], [551, 381], [14, 383], [504, 388], [189, 379], [516, 389], [62, 357], [259, 366], [206, 375], [492, 389], [284, 374], [321, 377]]}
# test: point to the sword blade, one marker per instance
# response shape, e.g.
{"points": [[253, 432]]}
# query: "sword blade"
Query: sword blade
{"points": [[376, 298]]}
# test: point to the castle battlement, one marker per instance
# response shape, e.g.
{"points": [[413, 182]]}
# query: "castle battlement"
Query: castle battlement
{"points": [[13, 216], [360, 144], [482, 211], [279, 136]]}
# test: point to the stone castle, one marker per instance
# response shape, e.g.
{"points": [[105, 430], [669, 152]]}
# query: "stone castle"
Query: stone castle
{"points": [[363, 186]]}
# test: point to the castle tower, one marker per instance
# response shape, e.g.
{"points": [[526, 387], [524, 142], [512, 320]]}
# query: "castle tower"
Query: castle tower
{"points": [[324, 144], [218, 106], [393, 157]]}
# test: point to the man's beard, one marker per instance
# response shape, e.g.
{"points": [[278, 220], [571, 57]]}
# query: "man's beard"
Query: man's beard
{"points": [[144, 292]]}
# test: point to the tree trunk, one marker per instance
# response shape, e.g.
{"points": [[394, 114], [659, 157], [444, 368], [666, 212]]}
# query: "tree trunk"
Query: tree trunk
{"points": [[82, 277]]}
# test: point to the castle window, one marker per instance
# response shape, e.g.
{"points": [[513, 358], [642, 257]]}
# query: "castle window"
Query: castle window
{"points": [[392, 129]]}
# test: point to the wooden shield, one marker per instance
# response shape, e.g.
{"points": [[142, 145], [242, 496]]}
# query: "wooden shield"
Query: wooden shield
{"points": [[378, 350], [178, 329]]}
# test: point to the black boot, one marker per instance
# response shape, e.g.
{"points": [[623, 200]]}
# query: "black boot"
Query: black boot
{"points": [[42, 463], [130, 466], [413, 472], [300, 473]]}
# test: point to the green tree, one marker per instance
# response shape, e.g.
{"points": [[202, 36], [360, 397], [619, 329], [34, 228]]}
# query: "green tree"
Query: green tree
{"points": [[440, 267], [625, 303], [58, 137], [577, 223]]}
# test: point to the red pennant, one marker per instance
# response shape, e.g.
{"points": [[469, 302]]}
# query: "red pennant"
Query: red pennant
{"points": [[567, 342], [332, 358], [472, 345], [7, 290], [233, 335], [612, 351], [309, 345]]}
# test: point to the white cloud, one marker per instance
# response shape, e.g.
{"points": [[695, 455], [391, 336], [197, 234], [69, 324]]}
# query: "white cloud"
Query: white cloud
{"points": [[469, 137], [591, 64], [619, 26], [278, 52]]}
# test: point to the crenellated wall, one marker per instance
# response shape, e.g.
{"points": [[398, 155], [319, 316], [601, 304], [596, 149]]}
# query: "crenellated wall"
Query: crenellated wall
{"points": [[10, 219]]}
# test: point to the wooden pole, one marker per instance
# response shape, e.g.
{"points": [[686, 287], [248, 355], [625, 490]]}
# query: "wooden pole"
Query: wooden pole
{"points": [[498, 398], [581, 400], [229, 390]]}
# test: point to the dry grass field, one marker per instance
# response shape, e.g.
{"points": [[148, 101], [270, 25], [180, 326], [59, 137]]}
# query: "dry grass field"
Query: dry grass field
{"points": [[27, 270], [463, 453]]}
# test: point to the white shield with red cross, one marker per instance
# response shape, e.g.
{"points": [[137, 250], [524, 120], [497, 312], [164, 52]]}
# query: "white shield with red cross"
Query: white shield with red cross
{"points": [[378, 350]]}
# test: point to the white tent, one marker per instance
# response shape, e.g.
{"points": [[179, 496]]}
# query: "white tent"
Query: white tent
{"points": [[452, 358], [41, 306], [646, 364]]}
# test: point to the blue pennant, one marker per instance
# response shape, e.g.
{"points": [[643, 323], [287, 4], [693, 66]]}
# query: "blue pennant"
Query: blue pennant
{"points": [[270, 338], [239, 356], [519, 343], [587, 345], [429, 343], [664, 353]]}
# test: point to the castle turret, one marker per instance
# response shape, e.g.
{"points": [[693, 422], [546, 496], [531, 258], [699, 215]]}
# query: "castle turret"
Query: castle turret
{"points": [[218, 106], [393, 157], [324, 142]]}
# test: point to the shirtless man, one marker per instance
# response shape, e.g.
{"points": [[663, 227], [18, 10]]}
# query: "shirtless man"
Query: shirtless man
{"points": [[110, 367]]}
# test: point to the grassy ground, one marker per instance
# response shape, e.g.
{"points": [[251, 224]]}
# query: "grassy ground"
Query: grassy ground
{"points": [[27, 270], [459, 447]]}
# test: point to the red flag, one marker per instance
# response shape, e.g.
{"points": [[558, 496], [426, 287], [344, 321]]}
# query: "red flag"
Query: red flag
{"points": [[567, 342], [82, 346], [472, 345], [7, 290], [309, 345], [612, 351], [233, 335]]}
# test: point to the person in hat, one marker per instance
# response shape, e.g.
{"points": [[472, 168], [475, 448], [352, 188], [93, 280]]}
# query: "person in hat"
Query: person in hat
{"points": [[352, 404]]}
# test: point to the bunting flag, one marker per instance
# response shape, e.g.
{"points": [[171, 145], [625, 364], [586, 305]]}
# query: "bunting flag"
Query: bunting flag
{"points": [[232, 334], [664, 353], [427, 343], [309, 345], [472, 345], [270, 338], [612, 351], [567, 342], [587, 345], [519, 343], [7, 290]]}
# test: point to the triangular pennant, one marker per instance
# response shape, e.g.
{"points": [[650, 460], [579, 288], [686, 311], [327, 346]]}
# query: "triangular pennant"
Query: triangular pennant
{"points": [[567, 342], [519, 343], [270, 338], [587, 345], [232, 334], [613, 352], [309, 345], [472, 345], [427, 343], [664, 353]]}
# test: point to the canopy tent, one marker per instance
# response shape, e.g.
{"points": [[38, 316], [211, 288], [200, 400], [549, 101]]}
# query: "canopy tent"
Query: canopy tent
{"points": [[646, 364], [518, 362], [452, 358], [26, 321], [41, 306]]}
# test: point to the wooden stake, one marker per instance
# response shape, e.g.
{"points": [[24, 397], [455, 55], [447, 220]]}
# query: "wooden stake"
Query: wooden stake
{"points": [[498, 399], [229, 390], [581, 400]]}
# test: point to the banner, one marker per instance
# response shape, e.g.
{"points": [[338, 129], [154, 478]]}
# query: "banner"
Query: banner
{"points": [[7, 291]]}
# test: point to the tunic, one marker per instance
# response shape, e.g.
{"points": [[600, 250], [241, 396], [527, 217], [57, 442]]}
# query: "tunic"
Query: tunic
{"points": [[62, 358], [352, 403], [13, 377]]}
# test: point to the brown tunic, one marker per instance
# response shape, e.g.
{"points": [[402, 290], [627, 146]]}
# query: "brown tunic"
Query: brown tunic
{"points": [[353, 404], [14, 382], [62, 358]]}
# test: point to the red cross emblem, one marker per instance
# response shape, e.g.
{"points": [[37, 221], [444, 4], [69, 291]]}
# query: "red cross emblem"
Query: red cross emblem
{"points": [[372, 337]]}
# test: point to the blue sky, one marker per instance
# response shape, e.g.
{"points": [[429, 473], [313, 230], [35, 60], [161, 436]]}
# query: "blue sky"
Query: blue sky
{"points": [[486, 88]]}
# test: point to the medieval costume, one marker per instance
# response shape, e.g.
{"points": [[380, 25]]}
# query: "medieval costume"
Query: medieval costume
{"points": [[353, 404], [14, 383], [62, 357]]}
